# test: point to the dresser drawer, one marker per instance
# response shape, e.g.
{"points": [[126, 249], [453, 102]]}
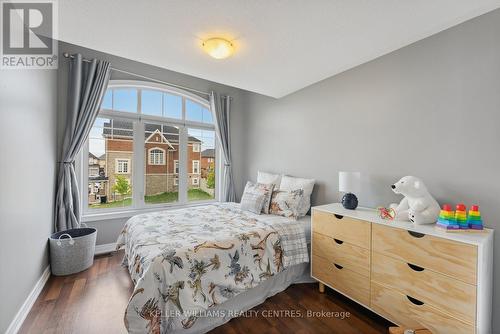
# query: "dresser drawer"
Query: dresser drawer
{"points": [[338, 251], [455, 259], [346, 281], [408, 312], [347, 229], [444, 293]]}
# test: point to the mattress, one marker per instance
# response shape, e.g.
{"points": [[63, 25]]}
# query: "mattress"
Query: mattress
{"points": [[187, 261]]}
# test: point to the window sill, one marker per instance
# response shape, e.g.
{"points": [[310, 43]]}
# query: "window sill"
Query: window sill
{"points": [[97, 216]]}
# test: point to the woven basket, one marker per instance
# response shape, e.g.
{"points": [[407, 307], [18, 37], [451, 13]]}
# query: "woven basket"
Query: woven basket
{"points": [[72, 251]]}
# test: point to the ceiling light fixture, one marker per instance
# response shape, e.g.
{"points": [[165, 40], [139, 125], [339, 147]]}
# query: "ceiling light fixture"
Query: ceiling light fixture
{"points": [[218, 48]]}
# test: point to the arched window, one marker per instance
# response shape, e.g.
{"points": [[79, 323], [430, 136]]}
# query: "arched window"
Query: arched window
{"points": [[165, 130], [156, 156]]}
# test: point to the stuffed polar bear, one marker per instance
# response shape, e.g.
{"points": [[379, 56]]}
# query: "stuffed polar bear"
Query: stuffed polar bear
{"points": [[418, 206]]}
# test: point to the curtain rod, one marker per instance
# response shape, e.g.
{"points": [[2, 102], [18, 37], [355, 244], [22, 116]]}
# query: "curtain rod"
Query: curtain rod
{"points": [[67, 55]]}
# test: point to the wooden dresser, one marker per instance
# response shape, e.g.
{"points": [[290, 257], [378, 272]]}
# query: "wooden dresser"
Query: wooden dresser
{"points": [[414, 276]]}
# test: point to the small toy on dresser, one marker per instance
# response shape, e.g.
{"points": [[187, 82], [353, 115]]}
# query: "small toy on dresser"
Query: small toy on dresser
{"points": [[386, 213], [446, 219], [461, 216], [459, 221], [474, 220], [418, 205]]}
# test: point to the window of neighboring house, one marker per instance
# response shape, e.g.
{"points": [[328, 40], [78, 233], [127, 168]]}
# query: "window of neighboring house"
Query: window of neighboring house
{"points": [[156, 156], [196, 166], [122, 166], [176, 166], [93, 171], [160, 128]]}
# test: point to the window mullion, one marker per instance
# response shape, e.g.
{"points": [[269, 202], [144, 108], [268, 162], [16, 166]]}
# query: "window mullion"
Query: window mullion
{"points": [[138, 166], [183, 167]]}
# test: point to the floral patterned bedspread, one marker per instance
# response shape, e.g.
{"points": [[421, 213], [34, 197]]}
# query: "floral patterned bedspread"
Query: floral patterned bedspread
{"points": [[185, 261]]}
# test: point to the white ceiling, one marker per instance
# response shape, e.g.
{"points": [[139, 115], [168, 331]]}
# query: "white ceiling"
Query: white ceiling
{"points": [[282, 46]]}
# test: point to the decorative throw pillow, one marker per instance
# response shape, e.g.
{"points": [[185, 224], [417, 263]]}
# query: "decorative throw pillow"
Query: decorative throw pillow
{"points": [[286, 203], [268, 178], [289, 183], [268, 188], [254, 197]]}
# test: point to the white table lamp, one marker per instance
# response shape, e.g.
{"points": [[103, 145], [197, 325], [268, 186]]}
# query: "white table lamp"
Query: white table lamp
{"points": [[349, 183]]}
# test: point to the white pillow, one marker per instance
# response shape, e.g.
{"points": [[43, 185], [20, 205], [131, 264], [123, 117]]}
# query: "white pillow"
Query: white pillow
{"points": [[290, 183], [269, 178]]}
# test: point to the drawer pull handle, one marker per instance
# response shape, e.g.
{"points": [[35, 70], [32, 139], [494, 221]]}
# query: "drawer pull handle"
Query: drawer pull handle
{"points": [[340, 242], [415, 267], [338, 216], [416, 234], [414, 301], [338, 266]]}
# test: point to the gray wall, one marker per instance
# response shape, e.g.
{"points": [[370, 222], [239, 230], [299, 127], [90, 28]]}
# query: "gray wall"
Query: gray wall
{"points": [[431, 109], [27, 175], [109, 230]]}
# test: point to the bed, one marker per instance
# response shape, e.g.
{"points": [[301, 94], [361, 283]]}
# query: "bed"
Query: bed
{"points": [[196, 268]]}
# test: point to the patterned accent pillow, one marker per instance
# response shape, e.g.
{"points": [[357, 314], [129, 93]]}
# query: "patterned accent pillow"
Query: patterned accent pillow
{"points": [[255, 196], [268, 188], [286, 203], [289, 183]]}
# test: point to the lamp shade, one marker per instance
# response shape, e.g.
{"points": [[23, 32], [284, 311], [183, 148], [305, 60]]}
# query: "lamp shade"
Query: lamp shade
{"points": [[349, 182]]}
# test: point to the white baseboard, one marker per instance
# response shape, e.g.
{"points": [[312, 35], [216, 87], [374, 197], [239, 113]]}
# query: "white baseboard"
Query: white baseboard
{"points": [[104, 249], [21, 315], [23, 312]]}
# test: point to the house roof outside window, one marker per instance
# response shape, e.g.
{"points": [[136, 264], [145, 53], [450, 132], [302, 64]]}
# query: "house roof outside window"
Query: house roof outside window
{"points": [[123, 129], [208, 153]]}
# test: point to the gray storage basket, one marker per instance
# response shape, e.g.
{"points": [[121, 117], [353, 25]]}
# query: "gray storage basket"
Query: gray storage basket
{"points": [[72, 251]]}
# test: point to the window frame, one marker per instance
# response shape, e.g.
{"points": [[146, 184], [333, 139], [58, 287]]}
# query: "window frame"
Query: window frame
{"points": [[176, 167], [138, 174], [153, 163], [117, 166], [195, 162], [94, 174]]}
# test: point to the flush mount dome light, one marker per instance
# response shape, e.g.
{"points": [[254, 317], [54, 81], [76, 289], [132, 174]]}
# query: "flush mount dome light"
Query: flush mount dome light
{"points": [[218, 48]]}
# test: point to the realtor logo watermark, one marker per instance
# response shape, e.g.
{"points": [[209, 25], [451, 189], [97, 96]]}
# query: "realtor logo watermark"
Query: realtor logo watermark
{"points": [[29, 34]]}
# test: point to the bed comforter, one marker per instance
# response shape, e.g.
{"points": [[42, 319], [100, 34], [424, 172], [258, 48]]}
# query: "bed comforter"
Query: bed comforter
{"points": [[185, 261]]}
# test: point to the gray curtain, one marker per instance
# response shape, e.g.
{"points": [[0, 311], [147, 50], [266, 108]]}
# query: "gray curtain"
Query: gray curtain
{"points": [[221, 107], [87, 84]]}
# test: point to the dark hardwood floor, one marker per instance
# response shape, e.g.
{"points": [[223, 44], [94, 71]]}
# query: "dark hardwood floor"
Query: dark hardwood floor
{"points": [[94, 301]]}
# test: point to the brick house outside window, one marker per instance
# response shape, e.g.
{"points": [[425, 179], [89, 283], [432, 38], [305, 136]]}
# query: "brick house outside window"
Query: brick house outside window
{"points": [[162, 149]]}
